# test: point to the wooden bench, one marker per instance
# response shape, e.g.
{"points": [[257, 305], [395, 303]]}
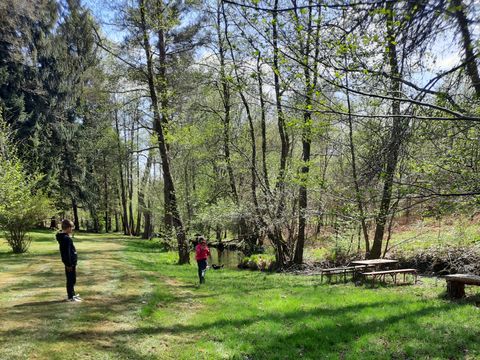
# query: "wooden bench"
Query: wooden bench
{"points": [[392, 273], [340, 271], [456, 284]]}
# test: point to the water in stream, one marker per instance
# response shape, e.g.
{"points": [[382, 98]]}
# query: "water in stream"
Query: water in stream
{"points": [[230, 258]]}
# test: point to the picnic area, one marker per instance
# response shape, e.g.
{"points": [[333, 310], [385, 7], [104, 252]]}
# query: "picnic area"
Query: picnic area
{"points": [[138, 304], [239, 179]]}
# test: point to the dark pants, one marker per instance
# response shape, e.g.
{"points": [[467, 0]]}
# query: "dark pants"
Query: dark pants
{"points": [[71, 280], [202, 267]]}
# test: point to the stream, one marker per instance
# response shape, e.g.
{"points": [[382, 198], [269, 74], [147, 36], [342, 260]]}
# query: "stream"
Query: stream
{"points": [[229, 258]]}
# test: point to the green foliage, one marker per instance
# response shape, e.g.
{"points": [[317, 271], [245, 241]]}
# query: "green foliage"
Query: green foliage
{"points": [[261, 262], [224, 213], [22, 206]]}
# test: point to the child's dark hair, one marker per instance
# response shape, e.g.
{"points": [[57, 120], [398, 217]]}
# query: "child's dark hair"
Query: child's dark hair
{"points": [[67, 224]]}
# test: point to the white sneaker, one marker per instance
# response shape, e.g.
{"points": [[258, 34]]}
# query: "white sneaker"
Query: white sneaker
{"points": [[74, 299], [77, 297]]}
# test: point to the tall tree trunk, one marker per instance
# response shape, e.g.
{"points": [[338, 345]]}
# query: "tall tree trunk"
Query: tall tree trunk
{"points": [[226, 95], [162, 86], [108, 225], [358, 194], [126, 229], [399, 128], [96, 222], [147, 228], [280, 115], [142, 189], [263, 111], [131, 221], [310, 84], [468, 44], [139, 188], [187, 195], [263, 122], [117, 227], [275, 235], [183, 251], [76, 221], [226, 105], [252, 234]]}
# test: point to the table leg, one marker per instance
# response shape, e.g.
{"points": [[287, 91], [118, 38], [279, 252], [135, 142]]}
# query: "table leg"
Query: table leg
{"points": [[456, 289]]}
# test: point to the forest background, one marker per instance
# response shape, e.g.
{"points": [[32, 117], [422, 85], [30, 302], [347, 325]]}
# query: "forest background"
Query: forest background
{"points": [[279, 124]]}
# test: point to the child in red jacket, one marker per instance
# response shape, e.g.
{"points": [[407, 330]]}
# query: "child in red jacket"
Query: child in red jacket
{"points": [[201, 254]]}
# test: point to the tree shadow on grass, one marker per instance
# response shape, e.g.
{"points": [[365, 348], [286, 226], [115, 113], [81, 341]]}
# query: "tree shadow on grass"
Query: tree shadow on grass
{"points": [[43, 314], [9, 258], [336, 332], [34, 304], [316, 333], [342, 340], [472, 297]]}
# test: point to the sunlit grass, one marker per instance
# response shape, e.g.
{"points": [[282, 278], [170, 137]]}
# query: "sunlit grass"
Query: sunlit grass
{"points": [[141, 305], [446, 232], [277, 316]]}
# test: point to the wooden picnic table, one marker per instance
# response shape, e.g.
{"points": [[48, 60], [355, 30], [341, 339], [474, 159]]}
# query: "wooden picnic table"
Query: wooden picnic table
{"points": [[329, 272], [392, 273], [376, 264]]}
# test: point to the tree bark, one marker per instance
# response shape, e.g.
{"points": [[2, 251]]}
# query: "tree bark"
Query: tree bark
{"points": [[148, 227], [281, 250], [162, 86], [400, 125], [226, 106], [108, 225], [305, 49], [76, 221], [467, 44], [131, 222], [263, 122], [252, 235], [358, 194], [310, 48], [126, 229], [117, 228], [172, 210], [142, 208], [280, 115]]}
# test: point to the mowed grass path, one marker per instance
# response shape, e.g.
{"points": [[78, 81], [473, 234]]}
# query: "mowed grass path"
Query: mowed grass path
{"points": [[140, 305]]}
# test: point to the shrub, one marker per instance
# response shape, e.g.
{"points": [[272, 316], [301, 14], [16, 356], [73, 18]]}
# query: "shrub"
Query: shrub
{"points": [[21, 205], [16, 220], [260, 262]]}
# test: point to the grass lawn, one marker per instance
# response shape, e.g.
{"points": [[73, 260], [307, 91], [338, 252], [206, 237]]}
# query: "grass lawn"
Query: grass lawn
{"points": [[140, 305]]}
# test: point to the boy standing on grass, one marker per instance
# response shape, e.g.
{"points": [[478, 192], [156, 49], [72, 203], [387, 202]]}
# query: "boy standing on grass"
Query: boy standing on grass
{"points": [[69, 258], [201, 255]]}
